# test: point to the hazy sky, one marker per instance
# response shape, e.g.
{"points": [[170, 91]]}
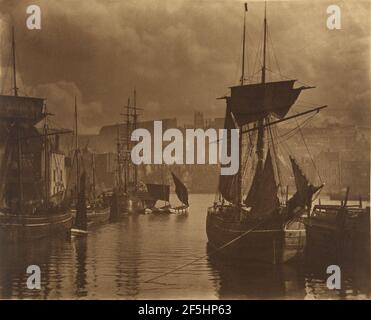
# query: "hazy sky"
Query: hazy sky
{"points": [[182, 54]]}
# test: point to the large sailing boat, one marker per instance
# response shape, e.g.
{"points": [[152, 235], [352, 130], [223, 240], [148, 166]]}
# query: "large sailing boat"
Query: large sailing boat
{"points": [[248, 219], [32, 172], [89, 209], [128, 191]]}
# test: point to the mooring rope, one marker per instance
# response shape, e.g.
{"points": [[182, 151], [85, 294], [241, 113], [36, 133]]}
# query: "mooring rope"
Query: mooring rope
{"points": [[206, 255]]}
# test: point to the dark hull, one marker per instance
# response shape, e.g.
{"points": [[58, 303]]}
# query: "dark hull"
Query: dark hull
{"points": [[21, 228], [168, 210], [327, 240], [263, 244]]}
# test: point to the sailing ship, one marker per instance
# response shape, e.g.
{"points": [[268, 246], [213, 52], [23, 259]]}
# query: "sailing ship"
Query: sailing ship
{"points": [[132, 195], [247, 219], [162, 192], [32, 172], [128, 191], [88, 208]]}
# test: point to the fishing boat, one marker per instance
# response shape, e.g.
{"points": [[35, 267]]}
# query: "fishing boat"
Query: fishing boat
{"points": [[88, 208], [338, 233], [162, 192], [32, 172], [248, 218]]}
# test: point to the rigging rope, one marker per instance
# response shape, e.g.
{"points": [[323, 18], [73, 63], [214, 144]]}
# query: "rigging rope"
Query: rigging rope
{"points": [[276, 161], [208, 254], [273, 51], [310, 156]]}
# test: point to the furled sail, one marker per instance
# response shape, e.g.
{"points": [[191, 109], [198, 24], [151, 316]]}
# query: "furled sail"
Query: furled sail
{"points": [[252, 102], [158, 191], [304, 190], [28, 110], [228, 183], [180, 190], [262, 196]]}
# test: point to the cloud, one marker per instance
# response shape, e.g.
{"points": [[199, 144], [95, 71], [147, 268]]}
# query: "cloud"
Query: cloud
{"points": [[181, 55], [60, 101]]}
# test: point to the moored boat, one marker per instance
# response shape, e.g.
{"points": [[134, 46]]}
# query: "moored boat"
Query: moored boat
{"points": [[32, 172], [248, 220], [162, 192], [338, 233], [87, 208]]}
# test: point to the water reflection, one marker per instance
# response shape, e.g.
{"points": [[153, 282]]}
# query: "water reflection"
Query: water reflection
{"points": [[116, 259], [252, 280], [81, 269], [355, 280]]}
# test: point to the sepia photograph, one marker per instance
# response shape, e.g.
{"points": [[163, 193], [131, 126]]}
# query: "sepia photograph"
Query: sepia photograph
{"points": [[185, 150]]}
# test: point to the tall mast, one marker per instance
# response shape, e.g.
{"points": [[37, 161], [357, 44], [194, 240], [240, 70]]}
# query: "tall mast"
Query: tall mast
{"points": [[127, 147], [18, 137], [119, 173], [77, 152], [239, 183], [260, 140], [46, 160], [14, 65], [265, 42], [243, 46], [135, 116], [94, 179]]}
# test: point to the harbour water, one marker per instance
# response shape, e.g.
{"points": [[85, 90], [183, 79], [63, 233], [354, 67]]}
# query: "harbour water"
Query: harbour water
{"points": [[118, 261]]}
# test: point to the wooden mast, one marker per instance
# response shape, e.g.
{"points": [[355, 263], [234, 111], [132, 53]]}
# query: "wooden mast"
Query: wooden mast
{"points": [[94, 178], [77, 152], [135, 118], [18, 128], [14, 65], [119, 159], [239, 183], [46, 161], [127, 148], [260, 140]]}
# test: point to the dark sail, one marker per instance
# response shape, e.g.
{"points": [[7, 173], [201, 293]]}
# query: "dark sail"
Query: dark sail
{"points": [[262, 196], [158, 191], [25, 109], [252, 102], [228, 183], [304, 190], [180, 190]]}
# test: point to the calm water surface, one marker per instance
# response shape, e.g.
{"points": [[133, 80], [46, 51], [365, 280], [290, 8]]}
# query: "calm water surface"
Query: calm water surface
{"points": [[116, 261]]}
